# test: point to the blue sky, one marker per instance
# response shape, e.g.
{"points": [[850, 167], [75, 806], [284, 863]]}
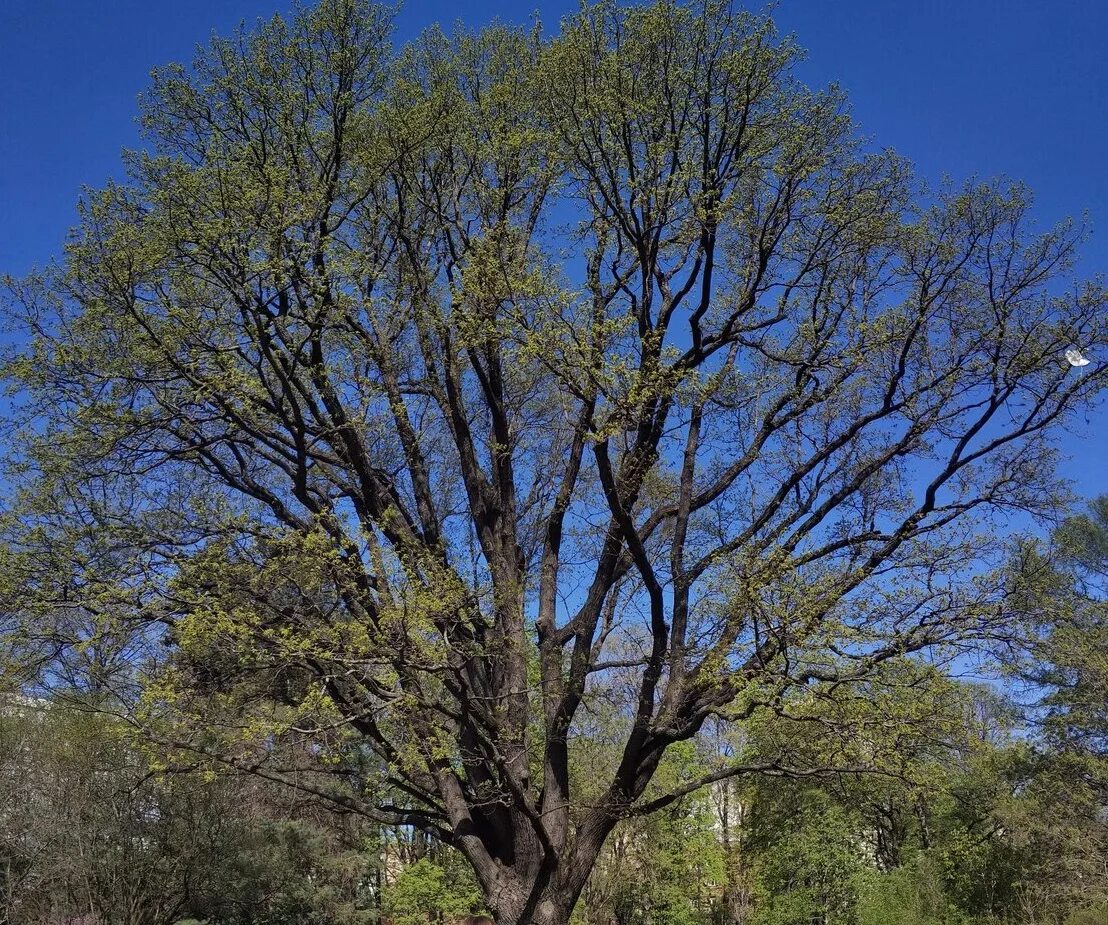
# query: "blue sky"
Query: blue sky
{"points": [[962, 87]]}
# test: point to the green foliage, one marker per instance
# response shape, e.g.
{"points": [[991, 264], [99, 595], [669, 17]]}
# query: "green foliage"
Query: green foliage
{"points": [[808, 861], [914, 894], [426, 892], [289, 872], [678, 841], [1072, 661], [1091, 915], [90, 830]]}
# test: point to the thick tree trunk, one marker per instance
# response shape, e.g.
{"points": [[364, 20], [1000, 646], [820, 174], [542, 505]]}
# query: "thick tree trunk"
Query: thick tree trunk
{"points": [[539, 888], [552, 907]]}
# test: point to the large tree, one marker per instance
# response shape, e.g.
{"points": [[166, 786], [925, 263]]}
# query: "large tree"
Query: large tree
{"points": [[420, 404]]}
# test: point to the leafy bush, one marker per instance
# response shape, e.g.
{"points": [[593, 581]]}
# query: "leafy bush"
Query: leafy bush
{"points": [[426, 892]]}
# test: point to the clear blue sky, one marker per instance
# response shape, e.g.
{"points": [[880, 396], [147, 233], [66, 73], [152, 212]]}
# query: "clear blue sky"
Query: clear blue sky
{"points": [[962, 87]]}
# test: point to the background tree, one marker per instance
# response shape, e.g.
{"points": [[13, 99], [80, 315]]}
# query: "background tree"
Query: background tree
{"points": [[430, 892], [683, 840], [1061, 594], [1068, 606], [400, 407], [89, 833]]}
